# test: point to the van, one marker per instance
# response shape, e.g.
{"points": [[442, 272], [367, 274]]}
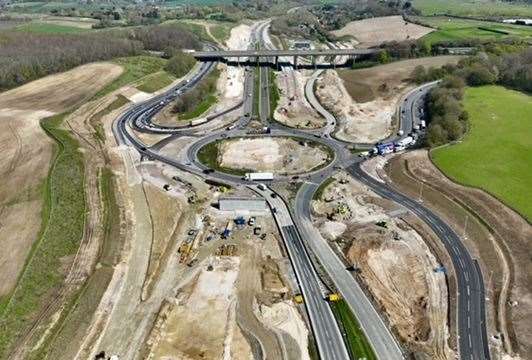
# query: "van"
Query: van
{"points": [[262, 187]]}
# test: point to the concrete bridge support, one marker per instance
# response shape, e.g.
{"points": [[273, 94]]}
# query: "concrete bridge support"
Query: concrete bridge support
{"points": [[295, 62]]}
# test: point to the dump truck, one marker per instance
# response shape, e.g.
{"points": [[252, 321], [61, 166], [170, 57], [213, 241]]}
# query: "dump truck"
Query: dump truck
{"points": [[333, 297]]}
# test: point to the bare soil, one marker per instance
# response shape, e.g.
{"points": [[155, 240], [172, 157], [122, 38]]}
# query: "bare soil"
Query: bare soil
{"points": [[496, 235], [276, 154], [394, 261], [384, 81], [374, 31], [293, 108], [27, 152]]}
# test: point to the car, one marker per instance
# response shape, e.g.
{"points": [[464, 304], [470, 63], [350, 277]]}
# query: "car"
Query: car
{"points": [[295, 177], [274, 210], [274, 195]]}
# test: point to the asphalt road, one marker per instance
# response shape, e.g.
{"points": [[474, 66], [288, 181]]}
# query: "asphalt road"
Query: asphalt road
{"points": [[326, 332], [471, 294]]}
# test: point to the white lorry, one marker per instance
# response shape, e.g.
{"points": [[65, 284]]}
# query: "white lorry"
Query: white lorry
{"points": [[404, 143], [259, 176]]}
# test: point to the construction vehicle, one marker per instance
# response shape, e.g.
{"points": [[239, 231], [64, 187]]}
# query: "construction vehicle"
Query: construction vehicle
{"points": [[251, 221], [298, 299], [334, 297], [227, 231]]}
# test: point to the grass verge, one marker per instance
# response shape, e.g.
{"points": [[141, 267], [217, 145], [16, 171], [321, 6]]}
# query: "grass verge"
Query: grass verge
{"points": [[319, 191], [496, 153], [60, 235], [256, 92], [274, 92], [357, 344]]}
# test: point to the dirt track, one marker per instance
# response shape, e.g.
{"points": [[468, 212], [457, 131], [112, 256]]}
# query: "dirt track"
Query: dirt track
{"points": [[27, 152], [496, 234]]}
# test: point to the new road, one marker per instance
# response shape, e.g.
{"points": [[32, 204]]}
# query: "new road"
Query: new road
{"points": [[299, 234]]}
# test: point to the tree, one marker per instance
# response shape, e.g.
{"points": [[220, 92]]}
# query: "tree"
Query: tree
{"points": [[384, 57], [419, 74], [436, 135], [479, 75]]}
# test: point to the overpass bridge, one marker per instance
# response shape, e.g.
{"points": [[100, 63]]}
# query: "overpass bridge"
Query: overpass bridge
{"points": [[237, 55]]}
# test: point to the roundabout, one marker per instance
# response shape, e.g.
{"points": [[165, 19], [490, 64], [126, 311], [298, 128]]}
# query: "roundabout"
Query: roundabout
{"points": [[281, 155]]}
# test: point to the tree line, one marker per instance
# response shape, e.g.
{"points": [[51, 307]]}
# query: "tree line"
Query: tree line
{"points": [[25, 57], [446, 116], [191, 99]]}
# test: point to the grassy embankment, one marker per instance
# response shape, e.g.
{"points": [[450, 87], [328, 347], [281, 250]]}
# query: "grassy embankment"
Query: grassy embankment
{"points": [[357, 344], [147, 70], [208, 156], [85, 303], [256, 92], [207, 99], [496, 154], [477, 8], [63, 219], [450, 29], [274, 92]]}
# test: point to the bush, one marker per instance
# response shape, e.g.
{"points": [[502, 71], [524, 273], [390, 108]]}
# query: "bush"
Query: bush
{"points": [[180, 64]]}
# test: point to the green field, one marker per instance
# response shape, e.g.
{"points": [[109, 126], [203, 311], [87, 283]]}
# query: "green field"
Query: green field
{"points": [[48, 28], [450, 29], [135, 68], [156, 81], [496, 154], [481, 8], [63, 220], [357, 343]]}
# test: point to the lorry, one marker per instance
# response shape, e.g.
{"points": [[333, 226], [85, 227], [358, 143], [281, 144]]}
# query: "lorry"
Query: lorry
{"points": [[386, 148], [198, 121], [403, 143], [423, 124], [259, 176]]}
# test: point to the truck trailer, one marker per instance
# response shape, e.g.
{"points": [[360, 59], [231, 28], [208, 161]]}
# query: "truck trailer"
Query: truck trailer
{"points": [[198, 121], [386, 148], [259, 176]]}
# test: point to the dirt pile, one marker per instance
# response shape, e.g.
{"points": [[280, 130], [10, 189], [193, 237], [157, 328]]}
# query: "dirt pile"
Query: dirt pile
{"points": [[276, 154], [293, 109], [365, 122], [391, 259]]}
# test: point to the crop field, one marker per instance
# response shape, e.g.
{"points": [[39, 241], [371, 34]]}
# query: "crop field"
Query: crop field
{"points": [[472, 8], [496, 153], [458, 29]]}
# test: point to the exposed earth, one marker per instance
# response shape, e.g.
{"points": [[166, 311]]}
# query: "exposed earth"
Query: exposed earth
{"points": [[275, 154]]}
